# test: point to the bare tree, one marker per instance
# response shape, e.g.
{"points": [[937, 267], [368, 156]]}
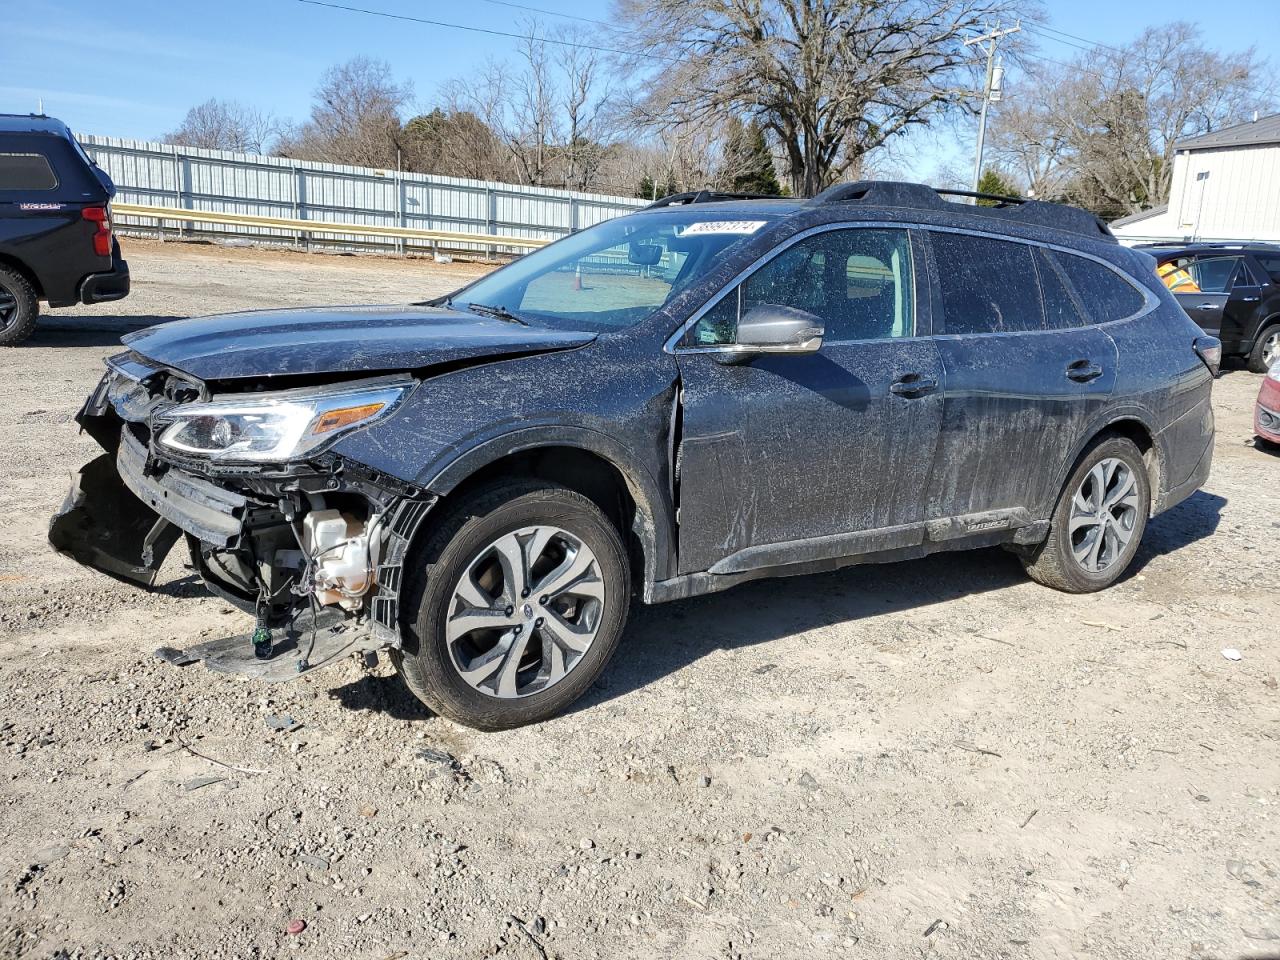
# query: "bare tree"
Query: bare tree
{"points": [[226, 125], [585, 106], [550, 108], [530, 115], [831, 79], [1102, 131], [355, 116], [1028, 139]]}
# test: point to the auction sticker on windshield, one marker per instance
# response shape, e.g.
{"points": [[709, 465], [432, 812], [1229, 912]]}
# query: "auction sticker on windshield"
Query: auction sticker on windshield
{"points": [[721, 226]]}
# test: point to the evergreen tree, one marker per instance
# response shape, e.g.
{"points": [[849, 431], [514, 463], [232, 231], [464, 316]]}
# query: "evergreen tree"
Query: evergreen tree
{"points": [[748, 161], [994, 182]]}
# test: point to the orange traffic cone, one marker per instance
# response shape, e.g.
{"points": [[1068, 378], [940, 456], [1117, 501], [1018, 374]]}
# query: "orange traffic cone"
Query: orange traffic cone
{"points": [[577, 278]]}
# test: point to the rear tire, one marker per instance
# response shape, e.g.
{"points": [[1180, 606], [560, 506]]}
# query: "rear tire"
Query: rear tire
{"points": [[545, 646], [1098, 521], [1266, 349], [19, 307]]}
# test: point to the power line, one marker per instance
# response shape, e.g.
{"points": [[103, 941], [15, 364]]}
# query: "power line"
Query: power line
{"points": [[1046, 36], [484, 30], [1070, 66], [548, 13], [1041, 25]]}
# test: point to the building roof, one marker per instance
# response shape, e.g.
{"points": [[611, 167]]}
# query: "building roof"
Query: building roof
{"points": [[1262, 130], [1141, 215]]}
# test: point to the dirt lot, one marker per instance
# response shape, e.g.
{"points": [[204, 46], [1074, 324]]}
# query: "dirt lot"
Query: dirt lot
{"points": [[935, 758]]}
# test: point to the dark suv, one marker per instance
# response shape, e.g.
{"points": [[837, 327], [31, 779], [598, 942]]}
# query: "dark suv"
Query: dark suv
{"points": [[677, 401], [55, 225], [1232, 291]]}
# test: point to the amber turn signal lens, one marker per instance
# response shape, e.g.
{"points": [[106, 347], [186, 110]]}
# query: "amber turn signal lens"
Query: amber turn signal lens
{"points": [[345, 417]]}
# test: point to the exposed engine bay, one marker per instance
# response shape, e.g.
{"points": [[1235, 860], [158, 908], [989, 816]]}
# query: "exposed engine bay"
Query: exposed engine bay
{"points": [[273, 523]]}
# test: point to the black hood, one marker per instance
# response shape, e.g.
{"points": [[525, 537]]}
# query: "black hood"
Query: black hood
{"points": [[338, 340]]}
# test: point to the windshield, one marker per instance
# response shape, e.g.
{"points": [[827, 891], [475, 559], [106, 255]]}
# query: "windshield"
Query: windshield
{"points": [[614, 274]]}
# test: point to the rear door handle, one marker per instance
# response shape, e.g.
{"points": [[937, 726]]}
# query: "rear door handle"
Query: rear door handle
{"points": [[1207, 306], [913, 385], [1082, 371]]}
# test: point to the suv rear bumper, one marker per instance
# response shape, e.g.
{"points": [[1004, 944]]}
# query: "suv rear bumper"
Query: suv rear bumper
{"points": [[1187, 487], [105, 287]]}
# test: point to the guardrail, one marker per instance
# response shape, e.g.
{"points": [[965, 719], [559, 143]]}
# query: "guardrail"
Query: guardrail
{"points": [[307, 227]]}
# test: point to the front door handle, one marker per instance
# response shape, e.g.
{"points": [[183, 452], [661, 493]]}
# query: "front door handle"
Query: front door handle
{"points": [[1082, 371], [913, 385]]}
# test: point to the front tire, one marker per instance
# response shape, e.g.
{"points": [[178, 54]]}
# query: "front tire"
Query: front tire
{"points": [[19, 307], [521, 597], [1098, 521]]}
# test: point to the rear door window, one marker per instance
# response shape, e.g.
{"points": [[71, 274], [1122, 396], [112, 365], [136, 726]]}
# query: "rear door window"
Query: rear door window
{"points": [[1105, 294], [1060, 308], [988, 285], [26, 171]]}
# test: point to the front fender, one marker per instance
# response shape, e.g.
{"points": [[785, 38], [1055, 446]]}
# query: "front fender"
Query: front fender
{"points": [[654, 515]]}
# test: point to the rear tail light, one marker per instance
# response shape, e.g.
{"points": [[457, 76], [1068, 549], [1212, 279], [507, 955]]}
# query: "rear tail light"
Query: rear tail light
{"points": [[1209, 349], [102, 235]]}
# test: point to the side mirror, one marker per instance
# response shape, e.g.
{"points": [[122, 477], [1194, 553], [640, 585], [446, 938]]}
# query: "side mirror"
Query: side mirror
{"points": [[773, 328], [644, 254]]}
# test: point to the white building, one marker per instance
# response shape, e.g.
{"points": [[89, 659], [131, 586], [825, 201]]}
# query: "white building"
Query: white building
{"points": [[1226, 186]]}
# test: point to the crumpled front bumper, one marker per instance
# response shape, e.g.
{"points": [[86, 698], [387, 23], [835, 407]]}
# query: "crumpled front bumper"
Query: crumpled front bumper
{"points": [[129, 506], [104, 526], [121, 521]]}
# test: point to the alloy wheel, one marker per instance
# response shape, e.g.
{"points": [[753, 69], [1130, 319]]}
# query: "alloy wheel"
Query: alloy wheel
{"points": [[8, 307], [1104, 514], [1271, 349], [525, 612]]}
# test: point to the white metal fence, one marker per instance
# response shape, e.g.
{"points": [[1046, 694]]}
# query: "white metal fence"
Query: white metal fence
{"points": [[157, 174]]}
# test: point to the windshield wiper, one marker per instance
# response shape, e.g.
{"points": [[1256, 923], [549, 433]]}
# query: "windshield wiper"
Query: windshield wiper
{"points": [[497, 312]]}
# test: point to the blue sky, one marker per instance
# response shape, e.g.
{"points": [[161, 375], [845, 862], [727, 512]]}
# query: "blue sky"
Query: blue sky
{"points": [[133, 67]]}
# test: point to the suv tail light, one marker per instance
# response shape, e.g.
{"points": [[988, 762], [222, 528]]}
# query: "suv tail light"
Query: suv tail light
{"points": [[1209, 349], [102, 235]]}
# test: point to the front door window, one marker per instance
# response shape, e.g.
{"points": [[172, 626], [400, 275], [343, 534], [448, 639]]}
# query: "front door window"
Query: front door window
{"points": [[860, 282]]}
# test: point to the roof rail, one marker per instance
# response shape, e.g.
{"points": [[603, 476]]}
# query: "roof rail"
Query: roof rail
{"points": [[999, 200], [892, 193], [707, 196], [1206, 245]]}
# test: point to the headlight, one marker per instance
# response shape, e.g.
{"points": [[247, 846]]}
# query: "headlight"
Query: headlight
{"points": [[271, 427]]}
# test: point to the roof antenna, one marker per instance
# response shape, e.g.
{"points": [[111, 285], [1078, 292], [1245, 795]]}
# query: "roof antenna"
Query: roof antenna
{"points": [[1255, 116], [40, 108]]}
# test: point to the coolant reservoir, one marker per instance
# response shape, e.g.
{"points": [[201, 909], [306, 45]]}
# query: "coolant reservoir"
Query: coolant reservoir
{"points": [[338, 546]]}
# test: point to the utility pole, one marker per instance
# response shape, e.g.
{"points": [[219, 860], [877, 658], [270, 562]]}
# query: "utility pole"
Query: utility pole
{"points": [[992, 40]]}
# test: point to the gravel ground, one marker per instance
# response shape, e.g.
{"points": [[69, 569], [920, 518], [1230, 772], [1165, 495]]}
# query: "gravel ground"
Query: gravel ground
{"points": [[933, 758]]}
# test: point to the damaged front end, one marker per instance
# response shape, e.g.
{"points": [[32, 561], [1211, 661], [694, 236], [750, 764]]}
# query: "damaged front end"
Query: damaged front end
{"points": [[275, 523]]}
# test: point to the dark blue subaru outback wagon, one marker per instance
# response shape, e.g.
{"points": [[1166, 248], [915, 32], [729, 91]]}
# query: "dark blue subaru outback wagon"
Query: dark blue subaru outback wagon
{"points": [[706, 392]]}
